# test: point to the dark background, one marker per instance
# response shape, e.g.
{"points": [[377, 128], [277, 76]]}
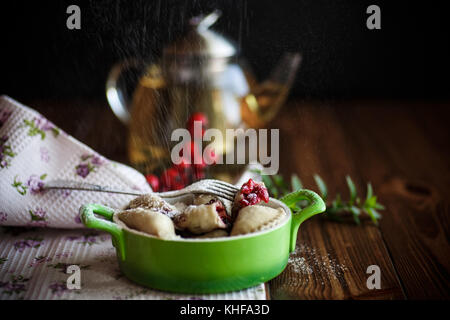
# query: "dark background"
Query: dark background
{"points": [[407, 58]]}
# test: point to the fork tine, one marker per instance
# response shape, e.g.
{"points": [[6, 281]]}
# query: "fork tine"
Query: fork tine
{"points": [[226, 186], [214, 187], [221, 191], [218, 186], [219, 195]]}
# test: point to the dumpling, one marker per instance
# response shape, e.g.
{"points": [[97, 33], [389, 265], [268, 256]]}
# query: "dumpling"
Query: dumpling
{"points": [[180, 206], [209, 199], [255, 218], [149, 221], [214, 234], [154, 203], [201, 219], [204, 199]]}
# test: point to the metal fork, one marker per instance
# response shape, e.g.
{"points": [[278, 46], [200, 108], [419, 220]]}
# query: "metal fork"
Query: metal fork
{"points": [[213, 187]]}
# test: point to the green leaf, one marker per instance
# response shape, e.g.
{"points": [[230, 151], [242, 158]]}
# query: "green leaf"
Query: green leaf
{"points": [[371, 202], [84, 157], [379, 206], [9, 153], [337, 203], [355, 205], [55, 132], [352, 188], [356, 219], [280, 183], [322, 186], [373, 214], [355, 210], [270, 186], [43, 176], [369, 191], [296, 183]]}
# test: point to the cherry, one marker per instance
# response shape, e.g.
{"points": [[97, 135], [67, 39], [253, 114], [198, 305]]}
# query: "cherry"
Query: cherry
{"points": [[252, 193], [200, 117], [153, 181], [172, 180]]}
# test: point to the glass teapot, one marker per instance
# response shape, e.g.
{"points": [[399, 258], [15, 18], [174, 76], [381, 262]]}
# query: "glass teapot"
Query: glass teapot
{"points": [[200, 72]]}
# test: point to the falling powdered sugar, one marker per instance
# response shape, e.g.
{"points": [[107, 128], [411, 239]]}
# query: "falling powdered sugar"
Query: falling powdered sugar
{"points": [[306, 261], [299, 265]]}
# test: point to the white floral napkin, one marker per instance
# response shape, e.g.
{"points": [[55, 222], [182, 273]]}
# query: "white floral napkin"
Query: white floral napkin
{"points": [[33, 261], [33, 150]]}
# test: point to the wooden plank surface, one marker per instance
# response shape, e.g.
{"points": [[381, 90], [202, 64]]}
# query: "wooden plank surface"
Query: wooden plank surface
{"points": [[401, 147], [410, 167], [335, 255]]}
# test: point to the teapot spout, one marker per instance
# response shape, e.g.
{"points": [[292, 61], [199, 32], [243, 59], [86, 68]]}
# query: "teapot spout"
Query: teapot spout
{"points": [[266, 99]]}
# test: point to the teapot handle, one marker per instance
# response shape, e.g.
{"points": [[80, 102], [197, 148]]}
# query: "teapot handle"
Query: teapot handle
{"points": [[118, 98]]}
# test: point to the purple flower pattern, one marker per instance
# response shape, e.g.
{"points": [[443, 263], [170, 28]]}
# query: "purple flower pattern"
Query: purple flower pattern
{"points": [[6, 152], [83, 169], [39, 126], [88, 164], [39, 260], [38, 218], [21, 245], [89, 238], [77, 219], [15, 285], [3, 216], [36, 183], [64, 254], [65, 193], [44, 154], [58, 288]]}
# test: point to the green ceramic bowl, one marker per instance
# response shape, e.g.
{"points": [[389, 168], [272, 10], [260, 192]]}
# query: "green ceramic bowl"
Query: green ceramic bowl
{"points": [[202, 265]]}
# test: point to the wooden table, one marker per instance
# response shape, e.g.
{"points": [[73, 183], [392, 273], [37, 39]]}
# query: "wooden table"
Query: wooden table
{"points": [[401, 147]]}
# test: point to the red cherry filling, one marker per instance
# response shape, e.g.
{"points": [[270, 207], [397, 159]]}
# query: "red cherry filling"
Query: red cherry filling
{"points": [[220, 211], [252, 193]]}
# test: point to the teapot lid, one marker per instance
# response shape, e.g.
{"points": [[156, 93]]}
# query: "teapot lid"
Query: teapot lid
{"points": [[202, 41]]}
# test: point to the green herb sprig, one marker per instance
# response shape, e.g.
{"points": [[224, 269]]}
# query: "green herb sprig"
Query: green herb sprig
{"points": [[278, 187]]}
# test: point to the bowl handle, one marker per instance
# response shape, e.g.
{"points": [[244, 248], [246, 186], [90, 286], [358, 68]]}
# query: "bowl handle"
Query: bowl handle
{"points": [[91, 221], [316, 205]]}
